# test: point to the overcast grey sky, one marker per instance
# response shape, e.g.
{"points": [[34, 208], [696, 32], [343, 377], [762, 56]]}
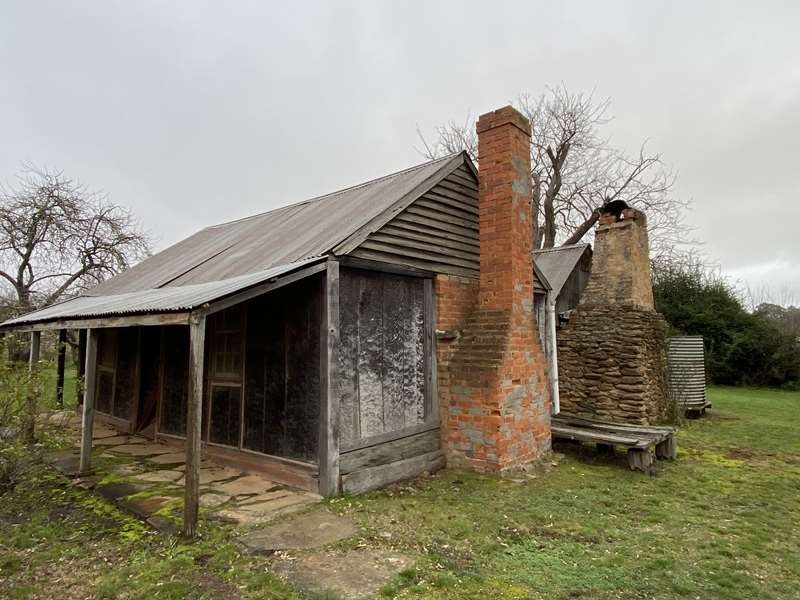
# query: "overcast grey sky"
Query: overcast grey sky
{"points": [[194, 112]]}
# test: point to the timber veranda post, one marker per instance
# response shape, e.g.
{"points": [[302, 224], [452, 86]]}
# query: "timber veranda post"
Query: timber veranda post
{"points": [[194, 418], [89, 392], [33, 365], [329, 388], [61, 364]]}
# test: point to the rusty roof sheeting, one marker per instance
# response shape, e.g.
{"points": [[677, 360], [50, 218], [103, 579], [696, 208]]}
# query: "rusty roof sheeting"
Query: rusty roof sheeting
{"points": [[158, 300]]}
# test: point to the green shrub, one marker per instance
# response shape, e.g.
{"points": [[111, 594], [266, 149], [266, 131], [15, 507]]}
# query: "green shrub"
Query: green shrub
{"points": [[742, 348]]}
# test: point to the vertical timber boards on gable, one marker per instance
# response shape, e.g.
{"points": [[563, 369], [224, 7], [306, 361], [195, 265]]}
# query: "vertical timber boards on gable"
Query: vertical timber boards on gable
{"points": [[437, 232], [382, 354]]}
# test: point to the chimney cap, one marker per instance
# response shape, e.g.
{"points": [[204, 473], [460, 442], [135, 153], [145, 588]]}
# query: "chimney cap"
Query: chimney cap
{"points": [[503, 116]]}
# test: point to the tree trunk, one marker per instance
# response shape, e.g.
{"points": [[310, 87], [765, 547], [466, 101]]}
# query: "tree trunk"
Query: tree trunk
{"points": [[583, 228]]}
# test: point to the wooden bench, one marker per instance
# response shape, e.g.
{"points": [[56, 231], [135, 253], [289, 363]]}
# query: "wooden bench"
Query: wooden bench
{"points": [[637, 439]]}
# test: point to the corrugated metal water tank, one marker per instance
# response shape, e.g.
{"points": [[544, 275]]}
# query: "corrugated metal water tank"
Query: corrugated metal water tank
{"points": [[687, 372]]}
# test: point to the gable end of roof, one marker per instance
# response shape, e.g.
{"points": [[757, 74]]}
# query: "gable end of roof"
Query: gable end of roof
{"points": [[355, 239]]}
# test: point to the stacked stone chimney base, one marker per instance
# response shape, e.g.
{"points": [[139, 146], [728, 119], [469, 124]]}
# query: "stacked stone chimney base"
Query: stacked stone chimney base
{"points": [[611, 365]]}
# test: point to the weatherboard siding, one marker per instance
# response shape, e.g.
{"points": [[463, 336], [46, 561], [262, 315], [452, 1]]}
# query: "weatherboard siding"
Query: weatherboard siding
{"points": [[438, 232]]}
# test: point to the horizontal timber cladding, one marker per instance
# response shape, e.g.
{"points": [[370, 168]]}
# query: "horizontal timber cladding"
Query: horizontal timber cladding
{"points": [[437, 232], [382, 358], [390, 451], [282, 371], [372, 478]]}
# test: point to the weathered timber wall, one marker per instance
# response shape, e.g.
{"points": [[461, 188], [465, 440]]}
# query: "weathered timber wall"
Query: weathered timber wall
{"points": [[382, 354], [571, 292], [174, 380], [391, 451], [438, 232], [116, 372], [281, 408]]}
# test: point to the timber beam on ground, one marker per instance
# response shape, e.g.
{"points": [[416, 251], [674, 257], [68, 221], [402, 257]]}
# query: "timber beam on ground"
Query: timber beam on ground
{"points": [[638, 440]]}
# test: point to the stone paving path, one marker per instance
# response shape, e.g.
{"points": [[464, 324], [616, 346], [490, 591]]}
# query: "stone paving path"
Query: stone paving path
{"points": [[147, 479]]}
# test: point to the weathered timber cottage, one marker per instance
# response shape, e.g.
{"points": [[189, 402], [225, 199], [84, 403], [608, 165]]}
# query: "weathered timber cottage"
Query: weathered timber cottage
{"points": [[340, 343]]}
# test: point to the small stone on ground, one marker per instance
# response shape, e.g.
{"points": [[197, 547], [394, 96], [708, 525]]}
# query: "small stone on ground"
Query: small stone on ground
{"points": [[145, 507], [172, 458], [102, 432], [120, 489], [66, 462], [165, 476], [310, 530], [212, 499], [127, 469], [250, 484], [265, 497], [263, 512], [353, 575], [212, 474]]}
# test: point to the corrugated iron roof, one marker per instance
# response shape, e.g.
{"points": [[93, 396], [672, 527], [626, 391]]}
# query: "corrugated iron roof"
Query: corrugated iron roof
{"points": [[231, 256], [277, 237], [159, 300], [556, 264]]}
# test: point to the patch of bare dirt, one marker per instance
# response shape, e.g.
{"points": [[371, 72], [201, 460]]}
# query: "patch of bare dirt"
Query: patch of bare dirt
{"points": [[741, 454]]}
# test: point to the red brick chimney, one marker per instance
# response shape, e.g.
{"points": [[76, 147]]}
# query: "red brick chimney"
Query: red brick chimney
{"points": [[499, 407]]}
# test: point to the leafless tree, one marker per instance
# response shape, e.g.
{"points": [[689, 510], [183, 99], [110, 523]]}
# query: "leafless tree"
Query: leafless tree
{"points": [[756, 296], [575, 170], [58, 237]]}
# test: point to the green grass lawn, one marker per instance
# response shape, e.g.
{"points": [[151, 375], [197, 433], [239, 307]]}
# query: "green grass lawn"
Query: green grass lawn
{"points": [[723, 521], [49, 378]]}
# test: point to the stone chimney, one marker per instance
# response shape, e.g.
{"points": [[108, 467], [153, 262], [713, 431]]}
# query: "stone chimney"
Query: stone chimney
{"points": [[612, 354], [499, 411], [621, 260]]}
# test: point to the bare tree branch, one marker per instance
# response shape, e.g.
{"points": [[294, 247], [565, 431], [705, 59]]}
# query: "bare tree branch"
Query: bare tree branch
{"points": [[575, 170], [57, 237]]}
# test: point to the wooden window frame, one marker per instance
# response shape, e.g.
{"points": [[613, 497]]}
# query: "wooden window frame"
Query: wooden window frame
{"points": [[226, 379]]}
